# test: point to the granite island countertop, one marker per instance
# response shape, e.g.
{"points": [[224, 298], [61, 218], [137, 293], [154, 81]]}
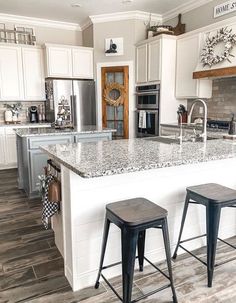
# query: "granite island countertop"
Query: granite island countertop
{"points": [[105, 158], [33, 132]]}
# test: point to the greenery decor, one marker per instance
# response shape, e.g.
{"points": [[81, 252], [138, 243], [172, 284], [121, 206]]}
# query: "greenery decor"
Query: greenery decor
{"points": [[15, 108], [209, 57]]}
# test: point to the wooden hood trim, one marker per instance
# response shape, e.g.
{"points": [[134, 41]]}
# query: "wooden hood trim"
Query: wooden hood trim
{"points": [[215, 73]]}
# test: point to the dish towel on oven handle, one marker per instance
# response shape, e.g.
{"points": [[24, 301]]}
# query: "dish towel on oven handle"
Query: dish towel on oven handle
{"points": [[142, 119], [50, 208]]}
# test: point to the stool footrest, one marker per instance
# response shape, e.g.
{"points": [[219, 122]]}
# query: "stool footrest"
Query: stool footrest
{"points": [[193, 255], [145, 295]]}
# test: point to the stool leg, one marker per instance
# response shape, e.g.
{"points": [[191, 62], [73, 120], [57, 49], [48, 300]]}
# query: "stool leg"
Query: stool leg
{"points": [[182, 225], [104, 244], [212, 220], [129, 243], [168, 257], [141, 248]]}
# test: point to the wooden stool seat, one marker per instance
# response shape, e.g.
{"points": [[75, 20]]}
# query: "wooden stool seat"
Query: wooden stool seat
{"points": [[136, 211], [212, 193]]}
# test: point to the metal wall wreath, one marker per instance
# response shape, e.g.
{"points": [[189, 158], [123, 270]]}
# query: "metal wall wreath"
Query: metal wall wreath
{"points": [[108, 92], [209, 57]]}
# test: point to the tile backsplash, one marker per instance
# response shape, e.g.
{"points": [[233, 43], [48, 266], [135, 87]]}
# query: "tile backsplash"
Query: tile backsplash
{"points": [[23, 117], [223, 101]]}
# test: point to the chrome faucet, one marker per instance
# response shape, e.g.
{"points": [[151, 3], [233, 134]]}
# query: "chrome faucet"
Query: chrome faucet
{"points": [[204, 133]]}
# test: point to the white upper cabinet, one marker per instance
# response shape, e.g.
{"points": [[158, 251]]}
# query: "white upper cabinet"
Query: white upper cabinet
{"points": [[59, 63], [69, 62], [82, 63], [21, 73], [11, 77], [154, 61], [148, 60], [141, 63], [188, 56], [33, 72]]}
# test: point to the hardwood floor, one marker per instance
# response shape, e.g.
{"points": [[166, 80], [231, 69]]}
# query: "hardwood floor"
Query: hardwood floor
{"points": [[31, 267]]}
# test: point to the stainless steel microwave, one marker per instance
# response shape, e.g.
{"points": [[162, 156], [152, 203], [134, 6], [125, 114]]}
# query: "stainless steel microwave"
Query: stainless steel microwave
{"points": [[148, 96]]}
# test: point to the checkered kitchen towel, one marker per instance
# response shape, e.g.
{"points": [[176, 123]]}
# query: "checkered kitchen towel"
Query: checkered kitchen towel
{"points": [[50, 208]]}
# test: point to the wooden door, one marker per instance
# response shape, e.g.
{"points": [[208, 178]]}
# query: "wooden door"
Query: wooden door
{"points": [[115, 100]]}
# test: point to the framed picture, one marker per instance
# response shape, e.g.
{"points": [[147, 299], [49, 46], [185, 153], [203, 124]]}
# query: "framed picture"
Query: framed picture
{"points": [[114, 47]]}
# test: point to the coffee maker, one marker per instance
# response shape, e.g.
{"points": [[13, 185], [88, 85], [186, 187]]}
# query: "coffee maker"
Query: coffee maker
{"points": [[33, 114]]}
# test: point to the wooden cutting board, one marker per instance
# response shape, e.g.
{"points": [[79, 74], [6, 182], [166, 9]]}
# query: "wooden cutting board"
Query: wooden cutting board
{"points": [[180, 27]]}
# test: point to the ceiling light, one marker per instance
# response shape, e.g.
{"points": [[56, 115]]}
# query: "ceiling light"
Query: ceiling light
{"points": [[76, 5], [126, 1]]}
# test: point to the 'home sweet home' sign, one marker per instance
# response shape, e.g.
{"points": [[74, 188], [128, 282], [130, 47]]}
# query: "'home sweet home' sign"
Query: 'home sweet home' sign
{"points": [[224, 8]]}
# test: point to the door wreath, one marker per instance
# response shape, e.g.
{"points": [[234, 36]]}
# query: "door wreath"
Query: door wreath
{"points": [[209, 57], [114, 94]]}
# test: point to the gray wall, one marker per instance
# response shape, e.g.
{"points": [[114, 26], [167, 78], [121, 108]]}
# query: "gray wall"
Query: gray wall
{"points": [[201, 16], [87, 35], [54, 35], [131, 30]]}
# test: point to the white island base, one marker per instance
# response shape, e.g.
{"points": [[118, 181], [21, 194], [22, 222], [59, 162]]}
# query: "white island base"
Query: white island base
{"points": [[79, 226]]}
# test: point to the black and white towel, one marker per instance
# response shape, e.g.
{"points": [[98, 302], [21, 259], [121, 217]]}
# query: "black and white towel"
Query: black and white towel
{"points": [[50, 208]]}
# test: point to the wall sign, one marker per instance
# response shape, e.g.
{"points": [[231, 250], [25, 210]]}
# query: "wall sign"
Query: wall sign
{"points": [[224, 8]]}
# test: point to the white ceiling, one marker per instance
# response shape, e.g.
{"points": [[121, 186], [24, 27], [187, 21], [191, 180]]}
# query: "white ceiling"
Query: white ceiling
{"points": [[61, 10]]}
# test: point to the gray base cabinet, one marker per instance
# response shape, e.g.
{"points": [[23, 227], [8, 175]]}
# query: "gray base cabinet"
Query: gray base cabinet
{"points": [[31, 160]]}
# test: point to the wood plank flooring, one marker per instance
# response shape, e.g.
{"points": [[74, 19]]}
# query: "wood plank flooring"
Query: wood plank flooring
{"points": [[31, 267]]}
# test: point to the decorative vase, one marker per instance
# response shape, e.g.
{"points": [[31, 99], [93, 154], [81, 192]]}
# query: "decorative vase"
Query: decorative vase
{"points": [[8, 116]]}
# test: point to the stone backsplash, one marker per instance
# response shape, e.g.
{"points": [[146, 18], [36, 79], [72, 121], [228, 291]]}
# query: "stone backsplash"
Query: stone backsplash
{"points": [[23, 116], [223, 101]]}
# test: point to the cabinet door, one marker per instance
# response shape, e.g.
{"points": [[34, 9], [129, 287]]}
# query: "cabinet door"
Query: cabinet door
{"points": [[93, 137], [141, 63], [2, 147], [11, 151], [82, 63], [154, 61], [188, 55], [34, 87], [11, 79], [59, 62], [38, 160]]}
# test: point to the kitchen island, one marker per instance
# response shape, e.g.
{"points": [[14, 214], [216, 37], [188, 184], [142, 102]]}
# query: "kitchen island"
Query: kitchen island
{"points": [[31, 160], [94, 174]]}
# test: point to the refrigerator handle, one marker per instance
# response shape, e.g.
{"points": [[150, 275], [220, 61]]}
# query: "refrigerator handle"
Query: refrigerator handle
{"points": [[73, 114]]}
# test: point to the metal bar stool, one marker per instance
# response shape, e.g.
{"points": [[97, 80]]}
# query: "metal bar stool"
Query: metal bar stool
{"points": [[133, 217], [214, 197]]}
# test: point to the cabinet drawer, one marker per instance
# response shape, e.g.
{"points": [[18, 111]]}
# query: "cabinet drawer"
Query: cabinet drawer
{"points": [[93, 137], [34, 143]]}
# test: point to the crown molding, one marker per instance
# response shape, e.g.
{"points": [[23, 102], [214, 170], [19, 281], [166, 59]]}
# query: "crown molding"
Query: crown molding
{"points": [[39, 22], [86, 24], [135, 15], [184, 8]]}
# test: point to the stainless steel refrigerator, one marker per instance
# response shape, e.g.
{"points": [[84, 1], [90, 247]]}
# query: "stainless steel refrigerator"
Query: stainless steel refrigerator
{"points": [[70, 103]]}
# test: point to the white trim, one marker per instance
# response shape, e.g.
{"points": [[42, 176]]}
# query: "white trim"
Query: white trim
{"points": [[39, 22], [136, 15], [184, 8], [130, 64], [86, 24]]}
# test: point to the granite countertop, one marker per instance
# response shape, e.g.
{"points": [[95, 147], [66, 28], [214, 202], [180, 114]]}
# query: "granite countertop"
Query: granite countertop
{"points": [[122, 156], [33, 132], [26, 124]]}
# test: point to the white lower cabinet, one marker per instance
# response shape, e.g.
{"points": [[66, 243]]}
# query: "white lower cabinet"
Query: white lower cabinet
{"points": [[8, 152], [2, 147]]}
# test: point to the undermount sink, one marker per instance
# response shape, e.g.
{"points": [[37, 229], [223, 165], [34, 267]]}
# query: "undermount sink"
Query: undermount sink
{"points": [[171, 140]]}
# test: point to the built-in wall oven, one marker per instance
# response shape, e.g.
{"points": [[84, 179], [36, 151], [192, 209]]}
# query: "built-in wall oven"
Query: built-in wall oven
{"points": [[147, 110]]}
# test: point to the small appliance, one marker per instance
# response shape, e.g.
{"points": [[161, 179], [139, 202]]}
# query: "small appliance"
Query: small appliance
{"points": [[33, 114]]}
